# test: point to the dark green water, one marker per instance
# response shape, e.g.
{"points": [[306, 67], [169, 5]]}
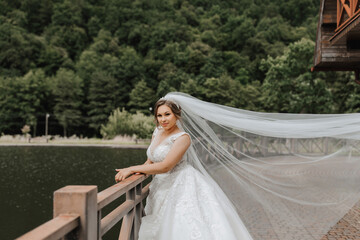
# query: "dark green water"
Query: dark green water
{"points": [[30, 175]]}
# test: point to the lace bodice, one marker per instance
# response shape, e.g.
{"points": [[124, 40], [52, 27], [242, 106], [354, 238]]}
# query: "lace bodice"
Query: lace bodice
{"points": [[159, 152]]}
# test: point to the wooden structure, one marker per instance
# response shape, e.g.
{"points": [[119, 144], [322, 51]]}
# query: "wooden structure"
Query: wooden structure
{"points": [[78, 211], [338, 37]]}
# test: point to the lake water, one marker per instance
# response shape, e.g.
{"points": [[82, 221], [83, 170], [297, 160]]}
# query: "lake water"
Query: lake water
{"points": [[30, 175]]}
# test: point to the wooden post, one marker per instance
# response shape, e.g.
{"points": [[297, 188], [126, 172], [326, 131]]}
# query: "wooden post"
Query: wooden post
{"points": [[294, 145], [138, 211], [80, 200], [99, 216], [264, 145], [127, 230], [326, 145]]}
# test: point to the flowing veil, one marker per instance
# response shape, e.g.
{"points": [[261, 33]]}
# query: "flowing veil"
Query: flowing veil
{"points": [[287, 176]]}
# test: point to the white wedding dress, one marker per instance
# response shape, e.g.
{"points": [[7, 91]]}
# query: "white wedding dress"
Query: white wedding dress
{"points": [[182, 204]]}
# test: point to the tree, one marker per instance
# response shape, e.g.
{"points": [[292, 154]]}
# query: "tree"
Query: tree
{"points": [[52, 58], [22, 101], [38, 14], [290, 87], [68, 91], [72, 38], [142, 98], [19, 50], [121, 122], [103, 98], [67, 28], [170, 78], [221, 90], [142, 125]]}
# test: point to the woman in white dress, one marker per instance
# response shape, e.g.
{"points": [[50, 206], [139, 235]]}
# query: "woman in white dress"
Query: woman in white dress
{"points": [[182, 203], [226, 173]]}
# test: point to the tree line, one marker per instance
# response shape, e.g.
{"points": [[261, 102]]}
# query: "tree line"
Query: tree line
{"points": [[82, 61]]}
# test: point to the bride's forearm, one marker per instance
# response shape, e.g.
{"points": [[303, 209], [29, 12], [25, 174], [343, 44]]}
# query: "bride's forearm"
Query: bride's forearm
{"points": [[154, 168]]}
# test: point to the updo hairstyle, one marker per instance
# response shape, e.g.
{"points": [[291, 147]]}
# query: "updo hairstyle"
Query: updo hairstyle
{"points": [[173, 106]]}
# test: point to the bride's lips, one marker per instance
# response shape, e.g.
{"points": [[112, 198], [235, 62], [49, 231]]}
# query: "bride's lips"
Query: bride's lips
{"points": [[164, 124]]}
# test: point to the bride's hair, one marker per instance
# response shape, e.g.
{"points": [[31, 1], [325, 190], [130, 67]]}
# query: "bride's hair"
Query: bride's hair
{"points": [[175, 108]]}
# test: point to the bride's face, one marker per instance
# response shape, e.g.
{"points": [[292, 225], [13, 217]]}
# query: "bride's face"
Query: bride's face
{"points": [[165, 117]]}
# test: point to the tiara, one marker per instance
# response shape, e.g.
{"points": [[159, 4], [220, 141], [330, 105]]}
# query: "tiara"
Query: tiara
{"points": [[170, 99]]}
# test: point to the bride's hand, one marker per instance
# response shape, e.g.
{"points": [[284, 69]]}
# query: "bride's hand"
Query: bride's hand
{"points": [[122, 174]]}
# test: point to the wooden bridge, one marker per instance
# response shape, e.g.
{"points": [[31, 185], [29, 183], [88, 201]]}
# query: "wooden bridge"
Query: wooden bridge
{"points": [[78, 212]]}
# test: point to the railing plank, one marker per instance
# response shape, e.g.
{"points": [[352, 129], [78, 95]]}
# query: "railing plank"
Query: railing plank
{"points": [[110, 194], [112, 218], [145, 191], [126, 227], [53, 229]]}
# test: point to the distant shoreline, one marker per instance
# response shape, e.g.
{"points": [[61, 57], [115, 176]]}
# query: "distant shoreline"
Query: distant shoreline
{"points": [[132, 146], [56, 141]]}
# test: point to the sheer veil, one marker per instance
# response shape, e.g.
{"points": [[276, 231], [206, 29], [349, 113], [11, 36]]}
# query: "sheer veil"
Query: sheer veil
{"points": [[287, 176]]}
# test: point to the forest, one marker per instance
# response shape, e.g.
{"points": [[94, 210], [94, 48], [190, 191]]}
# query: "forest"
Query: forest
{"points": [[85, 62]]}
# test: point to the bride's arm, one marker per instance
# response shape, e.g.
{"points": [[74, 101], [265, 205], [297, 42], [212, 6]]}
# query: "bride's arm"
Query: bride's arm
{"points": [[172, 158]]}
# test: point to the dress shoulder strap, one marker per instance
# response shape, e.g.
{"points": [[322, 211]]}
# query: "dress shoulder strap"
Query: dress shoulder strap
{"points": [[175, 136], [155, 131]]}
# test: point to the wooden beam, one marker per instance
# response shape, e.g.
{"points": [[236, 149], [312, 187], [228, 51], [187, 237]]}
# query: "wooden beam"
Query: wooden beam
{"points": [[345, 28], [347, 8], [326, 69]]}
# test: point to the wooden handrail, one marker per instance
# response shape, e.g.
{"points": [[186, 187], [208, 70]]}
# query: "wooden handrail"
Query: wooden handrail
{"points": [[110, 194], [54, 229], [78, 208]]}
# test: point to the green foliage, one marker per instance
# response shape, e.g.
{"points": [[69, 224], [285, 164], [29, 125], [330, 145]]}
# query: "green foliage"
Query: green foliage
{"points": [[296, 11], [122, 53], [103, 97], [22, 101], [121, 122], [19, 50], [142, 98], [72, 38], [68, 95], [290, 87], [118, 124], [353, 101], [142, 126], [67, 13], [38, 14]]}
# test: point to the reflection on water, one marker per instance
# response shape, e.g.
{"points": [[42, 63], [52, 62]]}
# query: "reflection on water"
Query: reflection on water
{"points": [[30, 175]]}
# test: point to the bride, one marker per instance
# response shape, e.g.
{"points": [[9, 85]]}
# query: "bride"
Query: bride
{"points": [[226, 173], [181, 204]]}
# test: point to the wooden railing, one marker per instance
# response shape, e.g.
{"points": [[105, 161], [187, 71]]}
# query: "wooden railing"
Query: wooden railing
{"points": [[78, 211], [346, 10]]}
